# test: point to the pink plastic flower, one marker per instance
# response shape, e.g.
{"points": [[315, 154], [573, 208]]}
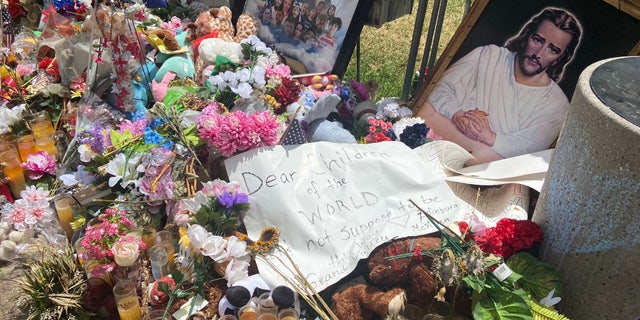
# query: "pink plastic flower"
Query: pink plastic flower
{"points": [[25, 69], [40, 163], [238, 131]]}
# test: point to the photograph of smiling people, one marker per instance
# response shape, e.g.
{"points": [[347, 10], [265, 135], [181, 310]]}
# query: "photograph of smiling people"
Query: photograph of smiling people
{"points": [[499, 102], [310, 32]]}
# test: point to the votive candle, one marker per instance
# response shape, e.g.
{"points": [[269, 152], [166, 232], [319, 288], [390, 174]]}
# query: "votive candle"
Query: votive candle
{"points": [[12, 169], [46, 144], [63, 204], [26, 146], [127, 300]]}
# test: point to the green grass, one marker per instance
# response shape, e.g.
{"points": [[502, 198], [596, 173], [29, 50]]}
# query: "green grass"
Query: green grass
{"points": [[384, 51]]}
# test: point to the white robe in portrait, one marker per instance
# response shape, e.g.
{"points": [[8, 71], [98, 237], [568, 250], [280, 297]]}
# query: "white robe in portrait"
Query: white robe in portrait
{"points": [[525, 119]]}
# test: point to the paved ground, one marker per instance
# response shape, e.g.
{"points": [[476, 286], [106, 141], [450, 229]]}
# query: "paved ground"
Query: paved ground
{"points": [[11, 297]]}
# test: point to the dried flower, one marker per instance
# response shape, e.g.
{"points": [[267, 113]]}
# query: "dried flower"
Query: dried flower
{"points": [[445, 268]]}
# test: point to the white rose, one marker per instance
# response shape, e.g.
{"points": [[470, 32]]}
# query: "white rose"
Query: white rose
{"points": [[125, 253]]}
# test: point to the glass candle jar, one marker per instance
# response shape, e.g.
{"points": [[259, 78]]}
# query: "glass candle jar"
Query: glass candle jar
{"points": [[26, 145], [166, 239], [12, 169], [288, 314], [40, 124], [127, 300], [159, 259], [46, 144], [64, 204]]}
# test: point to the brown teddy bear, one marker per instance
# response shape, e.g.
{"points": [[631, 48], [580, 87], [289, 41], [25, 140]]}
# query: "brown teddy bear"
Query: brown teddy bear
{"points": [[362, 301], [168, 39], [411, 273], [405, 279]]}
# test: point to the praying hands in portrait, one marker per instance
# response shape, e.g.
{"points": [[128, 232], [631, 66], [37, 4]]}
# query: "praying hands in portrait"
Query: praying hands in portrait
{"points": [[475, 125]]}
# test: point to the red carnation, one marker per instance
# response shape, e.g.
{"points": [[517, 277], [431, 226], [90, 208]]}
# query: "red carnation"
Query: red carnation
{"points": [[15, 9], [288, 92]]}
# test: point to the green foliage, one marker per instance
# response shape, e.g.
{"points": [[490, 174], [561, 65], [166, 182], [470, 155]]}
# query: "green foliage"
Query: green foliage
{"points": [[537, 278], [502, 305], [218, 219], [360, 129]]}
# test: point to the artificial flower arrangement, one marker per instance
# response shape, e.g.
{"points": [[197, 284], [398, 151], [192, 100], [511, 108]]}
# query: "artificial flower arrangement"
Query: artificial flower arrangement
{"points": [[507, 282], [393, 122], [107, 243]]}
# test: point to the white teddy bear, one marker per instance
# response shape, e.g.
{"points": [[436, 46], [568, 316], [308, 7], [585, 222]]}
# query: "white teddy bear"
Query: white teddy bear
{"points": [[212, 47]]}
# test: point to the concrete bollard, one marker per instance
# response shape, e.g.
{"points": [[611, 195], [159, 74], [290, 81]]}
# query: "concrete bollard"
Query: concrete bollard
{"points": [[589, 205]]}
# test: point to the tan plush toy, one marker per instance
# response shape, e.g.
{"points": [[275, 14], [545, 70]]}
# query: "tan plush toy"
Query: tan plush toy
{"points": [[361, 302], [410, 273], [220, 19]]}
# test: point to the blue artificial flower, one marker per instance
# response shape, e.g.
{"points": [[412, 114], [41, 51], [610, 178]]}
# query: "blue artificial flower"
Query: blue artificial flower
{"points": [[168, 145], [415, 135], [391, 134], [139, 114], [157, 122], [152, 136]]}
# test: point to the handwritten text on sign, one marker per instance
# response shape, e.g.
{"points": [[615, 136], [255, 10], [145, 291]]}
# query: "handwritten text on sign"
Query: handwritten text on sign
{"points": [[334, 203]]}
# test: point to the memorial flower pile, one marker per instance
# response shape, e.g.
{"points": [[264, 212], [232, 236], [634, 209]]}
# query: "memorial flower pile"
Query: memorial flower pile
{"points": [[142, 161]]}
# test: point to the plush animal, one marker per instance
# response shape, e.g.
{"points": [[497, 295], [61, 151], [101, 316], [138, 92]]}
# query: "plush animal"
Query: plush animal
{"points": [[180, 64], [241, 293], [159, 89], [320, 129], [362, 301], [168, 39], [406, 280], [210, 48], [411, 273], [219, 19]]}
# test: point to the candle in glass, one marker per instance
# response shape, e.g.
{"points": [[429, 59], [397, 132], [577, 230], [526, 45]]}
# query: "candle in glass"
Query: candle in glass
{"points": [[12, 169], [127, 300], [288, 314], [46, 144], [64, 204], [165, 238], [159, 259], [26, 146], [40, 124]]}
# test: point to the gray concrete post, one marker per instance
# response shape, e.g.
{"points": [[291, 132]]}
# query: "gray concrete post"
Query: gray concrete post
{"points": [[589, 205]]}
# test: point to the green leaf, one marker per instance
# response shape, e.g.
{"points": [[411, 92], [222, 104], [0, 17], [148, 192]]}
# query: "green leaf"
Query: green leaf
{"points": [[181, 293], [164, 287], [538, 278], [477, 284], [503, 305], [177, 276]]}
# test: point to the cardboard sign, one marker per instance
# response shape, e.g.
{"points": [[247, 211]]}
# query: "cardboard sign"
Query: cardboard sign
{"points": [[335, 203]]}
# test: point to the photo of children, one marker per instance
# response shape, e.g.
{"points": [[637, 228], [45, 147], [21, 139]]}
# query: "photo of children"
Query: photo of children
{"points": [[309, 31]]}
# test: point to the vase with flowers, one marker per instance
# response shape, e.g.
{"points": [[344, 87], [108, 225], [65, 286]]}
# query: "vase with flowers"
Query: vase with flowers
{"points": [[107, 244]]}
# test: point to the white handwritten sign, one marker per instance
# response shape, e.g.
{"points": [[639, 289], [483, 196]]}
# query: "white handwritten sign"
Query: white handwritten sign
{"points": [[334, 203]]}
